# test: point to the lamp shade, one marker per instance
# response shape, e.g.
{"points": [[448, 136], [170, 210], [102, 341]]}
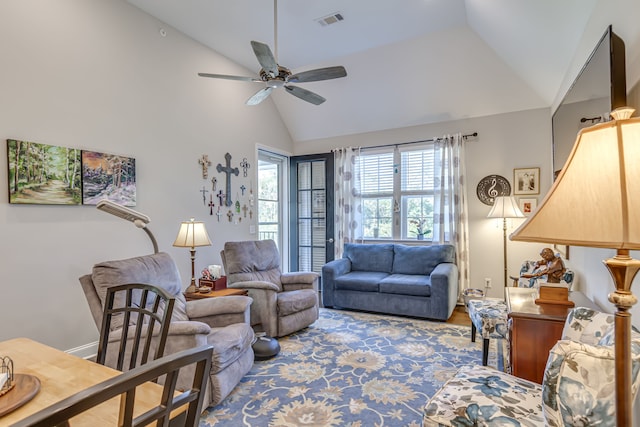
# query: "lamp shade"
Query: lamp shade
{"points": [[595, 201], [505, 207], [192, 234]]}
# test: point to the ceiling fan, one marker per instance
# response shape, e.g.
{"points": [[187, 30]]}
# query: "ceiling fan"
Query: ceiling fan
{"points": [[275, 76]]}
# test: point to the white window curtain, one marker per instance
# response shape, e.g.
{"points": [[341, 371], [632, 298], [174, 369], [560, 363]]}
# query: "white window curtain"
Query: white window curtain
{"points": [[348, 202], [450, 217]]}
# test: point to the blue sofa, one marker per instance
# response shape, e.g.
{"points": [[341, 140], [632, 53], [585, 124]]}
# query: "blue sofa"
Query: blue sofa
{"points": [[419, 281]]}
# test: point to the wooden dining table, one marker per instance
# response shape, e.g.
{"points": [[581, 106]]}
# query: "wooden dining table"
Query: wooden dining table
{"points": [[61, 375]]}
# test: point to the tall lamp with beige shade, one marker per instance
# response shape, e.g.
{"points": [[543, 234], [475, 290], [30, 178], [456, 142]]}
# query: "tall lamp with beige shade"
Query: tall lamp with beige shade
{"points": [[505, 207], [595, 202], [191, 235]]}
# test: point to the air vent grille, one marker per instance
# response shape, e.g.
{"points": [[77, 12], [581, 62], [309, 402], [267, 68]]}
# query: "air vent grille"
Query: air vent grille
{"points": [[330, 19]]}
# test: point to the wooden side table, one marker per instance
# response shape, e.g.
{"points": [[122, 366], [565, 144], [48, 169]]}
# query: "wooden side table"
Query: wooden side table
{"points": [[535, 329], [213, 294]]}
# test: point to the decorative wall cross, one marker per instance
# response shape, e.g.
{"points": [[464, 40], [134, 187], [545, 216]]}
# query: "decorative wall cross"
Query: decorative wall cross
{"points": [[250, 214], [221, 197], [211, 205], [229, 215], [242, 188], [205, 162], [245, 166], [218, 213], [228, 170], [244, 210], [214, 181], [204, 192]]}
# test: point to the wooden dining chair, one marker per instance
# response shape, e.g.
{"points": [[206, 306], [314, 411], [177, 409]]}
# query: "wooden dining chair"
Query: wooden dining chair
{"points": [[126, 384], [147, 310]]}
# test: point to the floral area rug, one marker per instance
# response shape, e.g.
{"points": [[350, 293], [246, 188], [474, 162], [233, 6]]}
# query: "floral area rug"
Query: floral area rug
{"points": [[350, 369]]}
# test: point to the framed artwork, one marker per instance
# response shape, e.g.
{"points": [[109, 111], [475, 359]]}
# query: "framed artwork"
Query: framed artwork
{"points": [[563, 250], [526, 181], [107, 176], [43, 174], [527, 206]]}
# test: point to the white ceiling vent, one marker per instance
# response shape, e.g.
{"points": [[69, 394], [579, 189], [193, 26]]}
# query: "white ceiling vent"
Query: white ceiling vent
{"points": [[330, 19]]}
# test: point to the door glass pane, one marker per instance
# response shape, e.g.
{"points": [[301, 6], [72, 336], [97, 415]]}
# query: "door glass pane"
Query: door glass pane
{"points": [[304, 176], [270, 201], [311, 214]]}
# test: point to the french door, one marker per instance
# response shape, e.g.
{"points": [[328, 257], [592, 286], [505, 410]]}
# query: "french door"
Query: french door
{"points": [[311, 211]]}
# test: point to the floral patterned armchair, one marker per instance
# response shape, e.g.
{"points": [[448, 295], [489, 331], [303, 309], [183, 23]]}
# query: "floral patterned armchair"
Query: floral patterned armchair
{"points": [[578, 386]]}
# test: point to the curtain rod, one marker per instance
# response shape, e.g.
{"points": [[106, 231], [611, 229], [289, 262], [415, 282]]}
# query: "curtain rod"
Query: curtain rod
{"points": [[474, 134]]}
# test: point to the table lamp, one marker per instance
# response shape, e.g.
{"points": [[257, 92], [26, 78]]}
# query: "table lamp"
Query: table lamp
{"points": [[595, 202], [140, 220], [192, 234], [505, 207]]}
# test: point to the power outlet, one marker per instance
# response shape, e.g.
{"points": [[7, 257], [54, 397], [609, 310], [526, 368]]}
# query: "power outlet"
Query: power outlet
{"points": [[252, 229], [487, 282]]}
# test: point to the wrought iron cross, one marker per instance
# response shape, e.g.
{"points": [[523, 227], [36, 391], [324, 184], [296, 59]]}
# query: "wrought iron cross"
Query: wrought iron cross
{"points": [[245, 166], [221, 197], [205, 162], [211, 205], [228, 170], [242, 188], [204, 192]]}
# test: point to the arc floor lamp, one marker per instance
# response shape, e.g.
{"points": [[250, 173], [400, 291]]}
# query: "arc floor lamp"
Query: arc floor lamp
{"points": [[140, 220]]}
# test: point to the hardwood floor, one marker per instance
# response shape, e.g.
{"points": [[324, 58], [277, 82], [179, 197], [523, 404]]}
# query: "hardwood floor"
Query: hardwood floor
{"points": [[459, 317]]}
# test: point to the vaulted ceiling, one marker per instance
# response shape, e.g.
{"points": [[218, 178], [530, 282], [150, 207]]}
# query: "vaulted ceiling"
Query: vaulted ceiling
{"points": [[409, 62]]}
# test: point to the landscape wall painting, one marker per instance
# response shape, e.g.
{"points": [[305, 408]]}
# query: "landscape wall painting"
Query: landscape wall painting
{"points": [[43, 174], [107, 176]]}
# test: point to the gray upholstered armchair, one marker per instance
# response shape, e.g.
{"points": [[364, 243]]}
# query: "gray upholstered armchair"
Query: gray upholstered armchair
{"points": [[282, 302], [220, 322]]}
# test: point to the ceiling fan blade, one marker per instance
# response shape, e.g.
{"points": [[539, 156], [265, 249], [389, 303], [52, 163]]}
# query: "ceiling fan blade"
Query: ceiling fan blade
{"points": [[265, 57], [259, 96], [224, 76], [319, 74], [305, 95]]}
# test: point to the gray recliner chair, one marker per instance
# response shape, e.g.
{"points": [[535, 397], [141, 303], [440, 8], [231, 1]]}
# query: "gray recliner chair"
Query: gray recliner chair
{"points": [[221, 322], [282, 302]]}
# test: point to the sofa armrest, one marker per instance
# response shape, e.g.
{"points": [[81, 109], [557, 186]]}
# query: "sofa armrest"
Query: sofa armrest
{"points": [[331, 271], [299, 280], [444, 290], [587, 325], [221, 311]]}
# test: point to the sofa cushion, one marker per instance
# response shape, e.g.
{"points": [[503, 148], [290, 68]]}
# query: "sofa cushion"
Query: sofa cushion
{"points": [[406, 284], [420, 259], [158, 270], [363, 281], [375, 257]]}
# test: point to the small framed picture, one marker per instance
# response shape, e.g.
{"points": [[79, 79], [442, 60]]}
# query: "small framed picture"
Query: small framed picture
{"points": [[526, 181], [527, 206]]}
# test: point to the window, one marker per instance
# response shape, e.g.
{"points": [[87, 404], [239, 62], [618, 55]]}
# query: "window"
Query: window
{"points": [[397, 192]]}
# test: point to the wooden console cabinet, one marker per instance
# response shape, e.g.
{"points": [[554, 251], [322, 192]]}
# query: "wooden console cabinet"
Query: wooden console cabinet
{"points": [[535, 329]]}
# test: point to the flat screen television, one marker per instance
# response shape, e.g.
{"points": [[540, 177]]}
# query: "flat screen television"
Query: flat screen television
{"points": [[599, 89]]}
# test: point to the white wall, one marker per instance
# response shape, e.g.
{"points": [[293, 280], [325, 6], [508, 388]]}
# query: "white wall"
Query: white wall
{"points": [[594, 279], [97, 75], [504, 142]]}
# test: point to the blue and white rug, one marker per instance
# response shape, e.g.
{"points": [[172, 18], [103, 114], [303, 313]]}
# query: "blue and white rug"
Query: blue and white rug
{"points": [[350, 369]]}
